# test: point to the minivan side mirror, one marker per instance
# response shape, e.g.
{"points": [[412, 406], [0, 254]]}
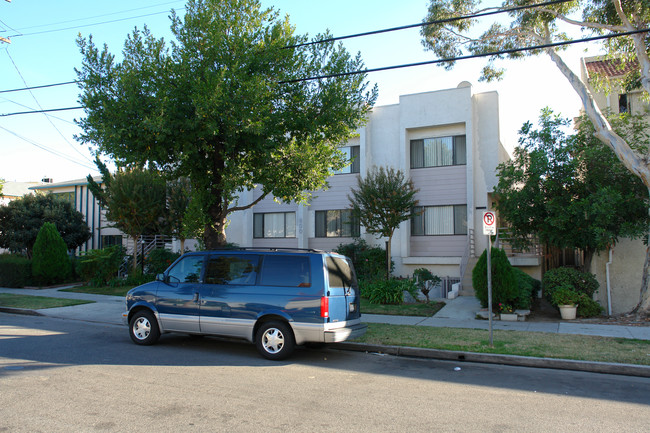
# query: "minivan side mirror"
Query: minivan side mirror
{"points": [[161, 277]]}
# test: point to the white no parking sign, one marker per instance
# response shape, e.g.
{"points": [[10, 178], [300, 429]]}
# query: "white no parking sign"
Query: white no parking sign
{"points": [[489, 223]]}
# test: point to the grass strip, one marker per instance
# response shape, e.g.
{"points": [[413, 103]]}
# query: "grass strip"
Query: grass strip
{"points": [[418, 309], [28, 302], [534, 344], [110, 291]]}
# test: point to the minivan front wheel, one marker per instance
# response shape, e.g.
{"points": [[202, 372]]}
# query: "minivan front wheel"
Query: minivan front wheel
{"points": [[274, 340], [143, 328]]}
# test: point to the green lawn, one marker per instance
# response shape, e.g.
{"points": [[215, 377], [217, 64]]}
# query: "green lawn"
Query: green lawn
{"points": [[535, 344], [417, 309], [27, 302]]}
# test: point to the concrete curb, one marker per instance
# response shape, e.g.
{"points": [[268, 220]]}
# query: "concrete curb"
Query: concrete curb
{"points": [[488, 358], [19, 311]]}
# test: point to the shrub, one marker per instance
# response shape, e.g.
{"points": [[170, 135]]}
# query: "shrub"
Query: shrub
{"points": [[587, 307], [158, 260], [581, 282], [527, 288], [98, 266], [369, 262], [422, 275], [389, 291], [15, 270], [50, 261], [504, 281], [565, 295]]}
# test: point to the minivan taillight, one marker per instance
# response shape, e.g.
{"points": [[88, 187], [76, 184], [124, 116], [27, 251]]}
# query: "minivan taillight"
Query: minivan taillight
{"points": [[324, 306]]}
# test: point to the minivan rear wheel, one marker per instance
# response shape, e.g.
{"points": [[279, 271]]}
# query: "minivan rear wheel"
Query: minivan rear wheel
{"points": [[143, 328], [274, 340]]}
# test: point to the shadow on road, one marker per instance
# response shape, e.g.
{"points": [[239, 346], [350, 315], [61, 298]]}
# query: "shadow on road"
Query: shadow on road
{"points": [[32, 343]]}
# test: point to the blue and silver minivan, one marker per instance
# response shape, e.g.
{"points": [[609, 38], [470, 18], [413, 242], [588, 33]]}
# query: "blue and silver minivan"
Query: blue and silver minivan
{"points": [[274, 298]]}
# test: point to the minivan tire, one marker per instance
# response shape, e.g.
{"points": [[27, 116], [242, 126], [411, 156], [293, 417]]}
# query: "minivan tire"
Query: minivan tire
{"points": [[275, 340], [143, 328]]}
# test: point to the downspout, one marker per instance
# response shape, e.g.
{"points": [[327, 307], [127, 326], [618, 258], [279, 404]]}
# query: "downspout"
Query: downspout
{"points": [[609, 287]]}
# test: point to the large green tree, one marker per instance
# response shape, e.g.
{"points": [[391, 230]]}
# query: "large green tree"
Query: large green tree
{"points": [[383, 199], [21, 220], [543, 26], [570, 190], [225, 105], [135, 201]]}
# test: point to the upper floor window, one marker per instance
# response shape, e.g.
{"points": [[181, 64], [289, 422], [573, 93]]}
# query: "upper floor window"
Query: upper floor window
{"points": [[274, 225], [336, 223], [352, 154], [439, 220], [438, 152]]}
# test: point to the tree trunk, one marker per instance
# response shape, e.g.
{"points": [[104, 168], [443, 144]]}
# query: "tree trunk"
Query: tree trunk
{"points": [[633, 162], [215, 231]]}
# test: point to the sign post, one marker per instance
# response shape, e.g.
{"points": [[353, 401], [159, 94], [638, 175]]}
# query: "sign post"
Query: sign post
{"points": [[489, 229]]}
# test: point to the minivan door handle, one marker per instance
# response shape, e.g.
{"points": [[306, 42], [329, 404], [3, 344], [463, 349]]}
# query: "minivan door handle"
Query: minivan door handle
{"points": [[196, 297]]}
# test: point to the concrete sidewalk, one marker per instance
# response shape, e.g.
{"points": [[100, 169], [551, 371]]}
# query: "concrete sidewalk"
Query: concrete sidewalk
{"points": [[457, 313]]}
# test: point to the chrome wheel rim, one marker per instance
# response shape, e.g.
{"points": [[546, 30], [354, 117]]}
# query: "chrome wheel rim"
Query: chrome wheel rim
{"points": [[273, 340], [141, 328]]}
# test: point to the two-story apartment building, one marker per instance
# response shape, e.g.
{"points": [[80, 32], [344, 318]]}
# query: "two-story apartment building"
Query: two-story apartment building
{"points": [[446, 141]]}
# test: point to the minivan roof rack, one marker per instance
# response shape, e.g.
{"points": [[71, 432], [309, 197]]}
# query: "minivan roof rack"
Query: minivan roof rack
{"points": [[288, 249]]}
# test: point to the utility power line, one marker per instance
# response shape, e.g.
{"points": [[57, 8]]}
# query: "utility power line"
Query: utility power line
{"points": [[428, 23]]}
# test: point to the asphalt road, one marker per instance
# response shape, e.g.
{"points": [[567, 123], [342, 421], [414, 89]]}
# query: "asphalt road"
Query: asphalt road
{"points": [[64, 375]]}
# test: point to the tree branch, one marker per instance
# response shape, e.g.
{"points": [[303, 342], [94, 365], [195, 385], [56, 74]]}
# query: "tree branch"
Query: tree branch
{"points": [[584, 23], [604, 131], [248, 206]]}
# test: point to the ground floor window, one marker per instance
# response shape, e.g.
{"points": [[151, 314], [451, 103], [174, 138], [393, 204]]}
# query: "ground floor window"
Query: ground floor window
{"points": [[439, 220], [336, 224], [274, 225], [111, 240]]}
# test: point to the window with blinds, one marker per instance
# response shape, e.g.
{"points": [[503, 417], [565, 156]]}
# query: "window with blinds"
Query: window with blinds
{"points": [[439, 220], [438, 152]]}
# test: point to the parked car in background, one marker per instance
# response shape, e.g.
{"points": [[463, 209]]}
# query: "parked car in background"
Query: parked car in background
{"points": [[274, 298]]}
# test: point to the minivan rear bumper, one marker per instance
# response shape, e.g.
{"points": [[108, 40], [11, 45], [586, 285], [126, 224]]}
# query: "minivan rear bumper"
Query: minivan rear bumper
{"points": [[348, 332]]}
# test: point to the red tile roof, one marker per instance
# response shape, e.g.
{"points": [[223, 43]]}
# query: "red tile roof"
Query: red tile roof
{"points": [[609, 68]]}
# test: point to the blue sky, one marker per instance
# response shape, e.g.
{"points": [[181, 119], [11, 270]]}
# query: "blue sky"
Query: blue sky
{"points": [[34, 146]]}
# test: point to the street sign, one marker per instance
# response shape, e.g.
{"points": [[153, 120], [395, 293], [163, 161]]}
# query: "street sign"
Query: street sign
{"points": [[489, 223]]}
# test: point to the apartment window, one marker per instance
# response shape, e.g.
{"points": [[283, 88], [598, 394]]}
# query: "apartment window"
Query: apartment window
{"points": [[65, 196], [438, 152], [352, 154], [274, 225], [439, 220], [624, 103], [111, 240], [336, 224]]}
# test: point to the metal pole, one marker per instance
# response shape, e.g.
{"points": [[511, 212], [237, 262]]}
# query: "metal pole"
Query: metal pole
{"points": [[489, 284]]}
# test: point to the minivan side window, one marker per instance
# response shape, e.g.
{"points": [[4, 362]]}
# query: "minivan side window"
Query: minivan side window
{"points": [[288, 271], [187, 270], [225, 269], [339, 272]]}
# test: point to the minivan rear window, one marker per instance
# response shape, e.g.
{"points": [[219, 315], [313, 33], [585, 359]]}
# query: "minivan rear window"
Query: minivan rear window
{"points": [[340, 273], [288, 271]]}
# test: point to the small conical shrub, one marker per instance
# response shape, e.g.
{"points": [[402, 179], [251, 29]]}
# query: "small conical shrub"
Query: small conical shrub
{"points": [[504, 279], [50, 262]]}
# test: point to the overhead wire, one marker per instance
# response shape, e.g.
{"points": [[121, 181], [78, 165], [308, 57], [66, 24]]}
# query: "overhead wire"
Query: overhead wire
{"points": [[46, 115], [429, 62]]}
